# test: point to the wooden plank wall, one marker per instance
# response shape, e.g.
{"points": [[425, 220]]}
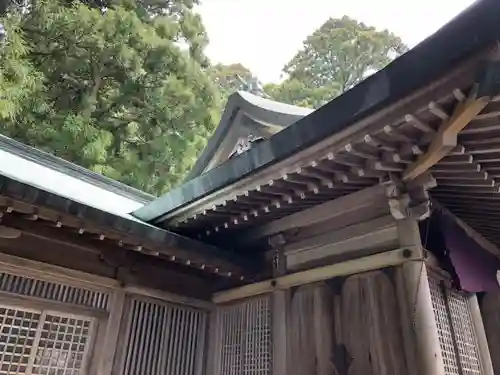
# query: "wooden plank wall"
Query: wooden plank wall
{"points": [[344, 316]]}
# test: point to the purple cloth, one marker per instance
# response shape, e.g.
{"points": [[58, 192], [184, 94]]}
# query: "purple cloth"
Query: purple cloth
{"points": [[475, 267]]}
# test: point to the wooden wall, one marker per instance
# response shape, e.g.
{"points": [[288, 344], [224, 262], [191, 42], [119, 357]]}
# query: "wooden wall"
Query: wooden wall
{"points": [[346, 326]]}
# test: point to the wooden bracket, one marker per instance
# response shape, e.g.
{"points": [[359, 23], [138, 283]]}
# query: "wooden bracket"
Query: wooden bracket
{"points": [[410, 199], [446, 137]]}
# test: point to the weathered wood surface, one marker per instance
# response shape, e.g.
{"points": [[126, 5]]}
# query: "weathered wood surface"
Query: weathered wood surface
{"points": [[350, 267], [481, 338], [354, 330], [490, 308], [336, 211], [115, 268], [363, 238]]}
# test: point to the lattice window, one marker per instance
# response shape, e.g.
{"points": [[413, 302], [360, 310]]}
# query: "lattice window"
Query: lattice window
{"points": [[464, 331], [456, 330], [246, 346], [18, 330], [53, 291], [163, 339], [37, 342]]}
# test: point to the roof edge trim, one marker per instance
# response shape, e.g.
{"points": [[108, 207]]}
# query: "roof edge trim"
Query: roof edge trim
{"points": [[73, 170]]}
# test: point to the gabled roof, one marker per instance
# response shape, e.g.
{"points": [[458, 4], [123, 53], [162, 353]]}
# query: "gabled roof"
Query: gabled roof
{"points": [[42, 192], [245, 114], [314, 160]]}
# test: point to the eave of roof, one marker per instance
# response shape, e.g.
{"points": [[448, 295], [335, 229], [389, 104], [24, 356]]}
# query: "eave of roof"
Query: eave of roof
{"points": [[36, 164], [259, 109], [47, 208], [467, 35]]}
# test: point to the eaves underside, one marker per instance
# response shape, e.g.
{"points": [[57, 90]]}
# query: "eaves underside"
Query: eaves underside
{"points": [[468, 177], [381, 105]]}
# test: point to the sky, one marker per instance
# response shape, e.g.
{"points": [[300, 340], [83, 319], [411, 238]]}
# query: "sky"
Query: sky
{"points": [[264, 35]]}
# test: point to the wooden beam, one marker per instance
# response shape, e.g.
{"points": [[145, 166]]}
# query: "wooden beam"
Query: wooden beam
{"points": [[334, 236], [34, 269], [360, 265], [316, 214], [446, 138], [170, 297], [91, 243], [369, 237]]}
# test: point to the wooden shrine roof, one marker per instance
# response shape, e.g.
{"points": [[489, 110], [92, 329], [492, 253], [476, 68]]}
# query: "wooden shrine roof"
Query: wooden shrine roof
{"points": [[53, 199], [380, 126]]}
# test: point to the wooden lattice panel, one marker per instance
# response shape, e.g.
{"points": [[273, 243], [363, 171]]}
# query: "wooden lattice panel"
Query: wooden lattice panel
{"points": [[17, 338], [444, 328], [62, 345], [31, 287], [464, 331], [163, 338], [246, 346], [456, 330], [36, 342]]}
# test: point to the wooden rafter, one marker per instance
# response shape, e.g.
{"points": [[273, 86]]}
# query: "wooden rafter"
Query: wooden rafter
{"points": [[445, 139]]}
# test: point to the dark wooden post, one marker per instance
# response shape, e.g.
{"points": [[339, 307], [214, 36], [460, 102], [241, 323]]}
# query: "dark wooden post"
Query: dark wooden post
{"points": [[279, 310]]}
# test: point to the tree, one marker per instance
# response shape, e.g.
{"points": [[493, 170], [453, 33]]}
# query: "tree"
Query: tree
{"points": [[20, 81], [118, 94], [341, 53], [293, 91]]}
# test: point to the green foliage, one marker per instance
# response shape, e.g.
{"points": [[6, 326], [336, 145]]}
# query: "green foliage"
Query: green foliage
{"points": [[115, 93], [293, 91], [336, 57], [123, 87], [343, 52], [19, 80]]}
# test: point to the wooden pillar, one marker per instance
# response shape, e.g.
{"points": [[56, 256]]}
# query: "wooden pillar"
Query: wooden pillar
{"points": [[419, 324], [279, 321], [214, 343], [109, 343], [482, 342], [490, 309], [279, 311]]}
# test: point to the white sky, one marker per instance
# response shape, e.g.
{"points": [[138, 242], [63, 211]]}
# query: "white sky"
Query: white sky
{"points": [[264, 34]]}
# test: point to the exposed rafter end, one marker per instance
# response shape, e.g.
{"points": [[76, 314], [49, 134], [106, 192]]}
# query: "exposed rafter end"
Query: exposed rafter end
{"points": [[444, 141]]}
